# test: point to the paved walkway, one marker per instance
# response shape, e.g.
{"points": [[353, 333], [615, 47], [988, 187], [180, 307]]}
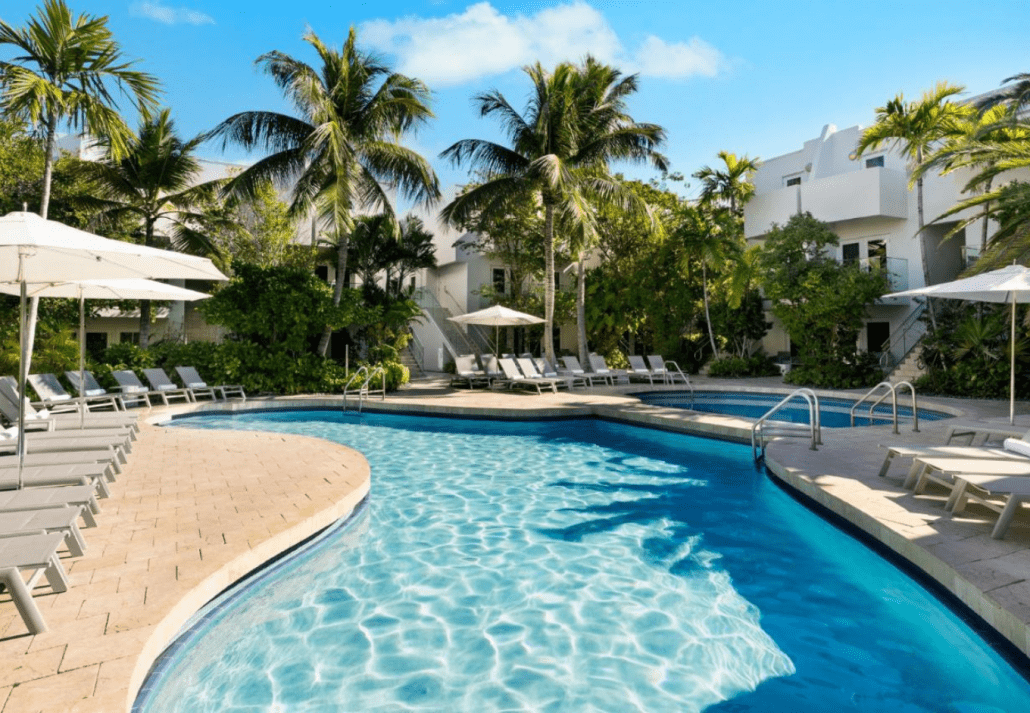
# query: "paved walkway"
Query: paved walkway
{"points": [[195, 510]]}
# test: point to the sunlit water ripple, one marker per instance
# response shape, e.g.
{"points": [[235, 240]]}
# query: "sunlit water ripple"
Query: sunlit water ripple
{"points": [[574, 566]]}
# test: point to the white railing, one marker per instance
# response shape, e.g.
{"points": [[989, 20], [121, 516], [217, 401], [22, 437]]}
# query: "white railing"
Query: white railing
{"points": [[360, 385], [892, 391], [760, 433]]}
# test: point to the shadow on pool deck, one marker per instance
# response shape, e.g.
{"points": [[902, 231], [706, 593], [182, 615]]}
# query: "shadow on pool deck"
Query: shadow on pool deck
{"points": [[191, 513]]}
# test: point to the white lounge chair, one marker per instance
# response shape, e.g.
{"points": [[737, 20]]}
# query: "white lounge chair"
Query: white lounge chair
{"points": [[159, 381], [513, 377], [465, 371], [668, 370], [53, 395], [63, 421], [548, 370], [1014, 490], [943, 470], [191, 380], [528, 368], [93, 388], [62, 520], [57, 442], [600, 368], [35, 555], [129, 384], [639, 370], [574, 368], [45, 476], [57, 497]]}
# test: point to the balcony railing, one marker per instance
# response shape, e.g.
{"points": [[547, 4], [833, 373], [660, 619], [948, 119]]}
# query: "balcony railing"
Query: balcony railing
{"points": [[896, 267]]}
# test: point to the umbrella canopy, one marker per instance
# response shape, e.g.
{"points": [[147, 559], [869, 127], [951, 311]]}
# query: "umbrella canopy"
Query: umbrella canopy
{"points": [[1009, 284], [34, 250], [497, 316]]}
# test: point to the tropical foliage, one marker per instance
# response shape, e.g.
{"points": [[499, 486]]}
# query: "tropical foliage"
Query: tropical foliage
{"points": [[342, 147]]}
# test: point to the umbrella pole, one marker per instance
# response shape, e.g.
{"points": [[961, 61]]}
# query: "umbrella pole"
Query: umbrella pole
{"points": [[82, 359], [1012, 365], [22, 374]]}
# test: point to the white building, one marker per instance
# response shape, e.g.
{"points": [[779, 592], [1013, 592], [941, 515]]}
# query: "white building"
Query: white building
{"points": [[867, 202]]}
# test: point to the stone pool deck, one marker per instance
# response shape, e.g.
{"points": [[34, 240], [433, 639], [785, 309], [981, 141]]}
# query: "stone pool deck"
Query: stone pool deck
{"points": [[195, 510]]}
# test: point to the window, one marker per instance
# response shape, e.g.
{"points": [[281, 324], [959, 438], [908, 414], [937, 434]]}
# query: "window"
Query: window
{"points": [[96, 343], [849, 252], [795, 181], [878, 335], [877, 252], [322, 273], [499, 280], [874, 162], [128, 337]]}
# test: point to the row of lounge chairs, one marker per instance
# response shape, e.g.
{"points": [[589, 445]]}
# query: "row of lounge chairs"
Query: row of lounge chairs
{"points": [[131, 391], [995, 475], [538, 373], [70, 459]]}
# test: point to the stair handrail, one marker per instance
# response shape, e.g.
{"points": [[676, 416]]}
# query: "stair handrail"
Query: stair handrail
{"points": [[668, 377], [814, 422], [364, 388], [418, 352], [474, 332], [902, 335], [892, 391]]}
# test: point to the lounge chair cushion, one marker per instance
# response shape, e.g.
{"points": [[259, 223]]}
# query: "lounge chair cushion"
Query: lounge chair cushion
{"points": [[1017, 445]]}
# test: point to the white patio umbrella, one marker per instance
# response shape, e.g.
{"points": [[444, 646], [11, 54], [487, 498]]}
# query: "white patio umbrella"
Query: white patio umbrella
{"points": [[497, 316], [36, 251], [1008, 284], [124, 289]]}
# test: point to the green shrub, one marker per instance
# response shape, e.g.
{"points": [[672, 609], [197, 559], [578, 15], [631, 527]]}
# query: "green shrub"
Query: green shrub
{"points": [[862, 370], [755, 365]]}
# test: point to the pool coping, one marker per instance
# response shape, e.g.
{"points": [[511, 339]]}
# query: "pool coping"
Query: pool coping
{"points": [[791, 466]]}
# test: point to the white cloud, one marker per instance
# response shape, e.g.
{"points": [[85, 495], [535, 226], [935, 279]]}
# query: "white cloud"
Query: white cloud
{"points": [[481, 42], [170, 15]]}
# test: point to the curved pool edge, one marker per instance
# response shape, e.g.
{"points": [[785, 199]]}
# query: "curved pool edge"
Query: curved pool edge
{"points": [[237, 570]]}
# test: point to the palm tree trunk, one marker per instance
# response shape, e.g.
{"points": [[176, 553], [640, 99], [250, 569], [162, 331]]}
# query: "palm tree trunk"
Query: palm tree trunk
{"points": [[708, 316], [342, 246], [581, 310], [983, 228], [44, 207], [549, 281], [922, 246], [144, 305]]}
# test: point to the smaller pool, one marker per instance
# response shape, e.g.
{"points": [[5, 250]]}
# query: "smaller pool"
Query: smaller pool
{"points": [[833, 413]]}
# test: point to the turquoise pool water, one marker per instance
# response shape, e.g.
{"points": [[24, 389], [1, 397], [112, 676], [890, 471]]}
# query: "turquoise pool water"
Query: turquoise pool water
{"points": [[575, 566], [833, 413]]}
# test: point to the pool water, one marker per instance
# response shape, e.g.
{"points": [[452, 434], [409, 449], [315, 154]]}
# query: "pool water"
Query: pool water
{"points": [[574, 565], [833, 413]]}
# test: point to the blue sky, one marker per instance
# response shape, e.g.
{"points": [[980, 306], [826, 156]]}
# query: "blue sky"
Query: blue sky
{"points": [[747, 76]]}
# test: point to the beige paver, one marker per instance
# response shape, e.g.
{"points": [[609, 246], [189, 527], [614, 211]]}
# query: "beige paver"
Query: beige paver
{"points": [[195, 510]]}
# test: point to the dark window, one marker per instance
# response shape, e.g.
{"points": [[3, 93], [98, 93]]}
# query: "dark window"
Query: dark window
{"points": [[322, 273], [877, 252], [499, 280], [557, 281], [96, 343], [796, 181], [874, 162], [877, 335], [849, 252], [128, 337]]}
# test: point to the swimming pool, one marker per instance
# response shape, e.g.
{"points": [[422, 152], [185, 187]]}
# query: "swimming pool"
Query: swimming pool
{"points": [[575, 565], [833, 413]]}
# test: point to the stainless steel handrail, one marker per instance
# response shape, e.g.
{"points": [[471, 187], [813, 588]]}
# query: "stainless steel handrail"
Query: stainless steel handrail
{"points": [[364, 388], [668, 378], [892, 391], [814, 422]]}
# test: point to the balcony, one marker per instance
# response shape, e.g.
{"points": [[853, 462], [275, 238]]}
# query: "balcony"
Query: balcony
{"points": [[869, 193]]}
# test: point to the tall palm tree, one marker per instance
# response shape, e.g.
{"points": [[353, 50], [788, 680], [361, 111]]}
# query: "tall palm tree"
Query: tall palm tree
{"points": [[341, 150], [914, 128], [730, 186], [67, 69], [574, 125], [152, 181]]}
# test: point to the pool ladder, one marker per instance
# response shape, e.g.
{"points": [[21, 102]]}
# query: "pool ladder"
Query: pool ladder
{"points": [[363, 378], [761, 433], [892, 391]]}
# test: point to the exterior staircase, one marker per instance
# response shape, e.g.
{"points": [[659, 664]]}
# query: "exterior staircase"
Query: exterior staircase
{"points": [[408, 359], [908, 369]]}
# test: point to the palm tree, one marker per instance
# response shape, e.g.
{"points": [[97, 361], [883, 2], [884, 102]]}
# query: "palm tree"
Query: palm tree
{"points": [[341, 150], [574, 125], [914, 128], [415, 251], [152, 181], [66, 70], [730, 187]]}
